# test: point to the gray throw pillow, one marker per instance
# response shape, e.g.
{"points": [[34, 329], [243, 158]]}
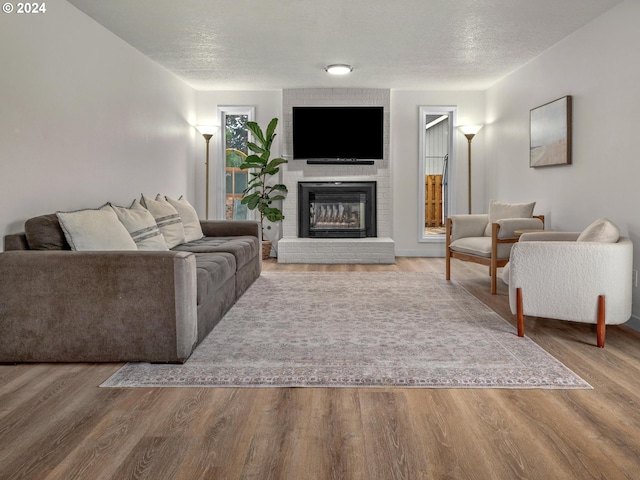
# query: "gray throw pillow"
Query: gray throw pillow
{"points": [[45, 233]]}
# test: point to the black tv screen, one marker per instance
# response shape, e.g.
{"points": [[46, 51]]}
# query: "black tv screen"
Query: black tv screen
{"points": [[338, 133]]}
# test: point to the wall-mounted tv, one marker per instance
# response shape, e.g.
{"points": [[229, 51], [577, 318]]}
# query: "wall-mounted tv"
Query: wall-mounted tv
{"points": [[338, 133]]}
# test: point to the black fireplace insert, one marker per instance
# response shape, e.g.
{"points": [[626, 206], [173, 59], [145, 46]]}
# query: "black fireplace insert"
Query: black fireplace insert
{"points": [[336, 209]]}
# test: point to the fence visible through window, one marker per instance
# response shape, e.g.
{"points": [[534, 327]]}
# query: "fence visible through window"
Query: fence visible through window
{"points": [[236, 138], [436, 155]]}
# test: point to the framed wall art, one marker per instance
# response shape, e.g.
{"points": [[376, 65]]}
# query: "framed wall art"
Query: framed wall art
{"points": [[550, 134]]}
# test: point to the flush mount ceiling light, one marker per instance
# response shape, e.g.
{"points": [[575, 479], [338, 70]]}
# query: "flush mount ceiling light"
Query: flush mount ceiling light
{"points": [[338, 69]]}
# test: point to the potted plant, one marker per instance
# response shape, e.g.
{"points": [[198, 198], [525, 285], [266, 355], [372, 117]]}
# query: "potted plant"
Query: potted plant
{"points": [[259, 194]]}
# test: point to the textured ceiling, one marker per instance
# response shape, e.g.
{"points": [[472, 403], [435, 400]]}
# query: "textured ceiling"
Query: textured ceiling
{"points": [[402, 44]]}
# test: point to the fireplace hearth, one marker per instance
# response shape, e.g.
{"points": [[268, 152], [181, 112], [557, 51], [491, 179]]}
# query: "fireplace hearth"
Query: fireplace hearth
{"points": [[336, 209]]}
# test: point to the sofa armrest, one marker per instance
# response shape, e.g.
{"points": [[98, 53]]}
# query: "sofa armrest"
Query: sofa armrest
{"points": [[508, 226], [16, 241], [230, 228], [463, 226], [561, 279], [64, 306], [549, 236]]}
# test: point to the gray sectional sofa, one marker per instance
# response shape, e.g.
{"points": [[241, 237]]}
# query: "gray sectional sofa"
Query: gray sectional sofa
{"points": [[59, 305]]}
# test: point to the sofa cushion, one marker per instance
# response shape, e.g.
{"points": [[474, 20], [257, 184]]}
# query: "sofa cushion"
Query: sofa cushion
{"points": [[45, 233], [95, 230], [189, 217], [501, 210], [243, 248], [212, 271], [141, 226], [480, 246], [602, 230], [168, 220]]}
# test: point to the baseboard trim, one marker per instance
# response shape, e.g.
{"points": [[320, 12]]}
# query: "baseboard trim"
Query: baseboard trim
{"points": [[633, 322], [419, 253]]}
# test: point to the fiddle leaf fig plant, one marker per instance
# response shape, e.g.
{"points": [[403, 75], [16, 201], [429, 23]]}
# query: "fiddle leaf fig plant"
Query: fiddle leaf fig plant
{"points": [[259, 194]]}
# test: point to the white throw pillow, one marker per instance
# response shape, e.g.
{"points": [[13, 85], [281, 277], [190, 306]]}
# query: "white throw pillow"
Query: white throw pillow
{"points": [[141, 226], [189, 217], [167, 219], [501, 210], [95, 230], [602, 230]]}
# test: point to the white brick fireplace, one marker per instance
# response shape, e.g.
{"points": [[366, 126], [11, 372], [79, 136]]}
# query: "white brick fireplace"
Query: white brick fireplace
{"points": [[292, 249]]}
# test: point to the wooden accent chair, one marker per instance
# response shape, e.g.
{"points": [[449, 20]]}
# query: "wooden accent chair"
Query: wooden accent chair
{"points": [[487, 238], [581, 277]]}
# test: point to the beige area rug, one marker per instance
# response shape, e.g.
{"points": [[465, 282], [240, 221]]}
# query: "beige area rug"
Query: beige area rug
{"points": [[352, 329]]}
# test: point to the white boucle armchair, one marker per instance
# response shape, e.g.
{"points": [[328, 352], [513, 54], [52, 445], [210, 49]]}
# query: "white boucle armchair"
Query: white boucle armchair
{"points": [[560, 275]]}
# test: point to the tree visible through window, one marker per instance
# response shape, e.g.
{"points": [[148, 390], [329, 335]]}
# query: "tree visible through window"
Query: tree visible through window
{"points": [[236, 138]]}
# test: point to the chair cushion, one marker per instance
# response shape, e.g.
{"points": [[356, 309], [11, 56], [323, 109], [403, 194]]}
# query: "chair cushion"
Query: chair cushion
{"points": [[602, 230], [501, 210], [480, 247]]}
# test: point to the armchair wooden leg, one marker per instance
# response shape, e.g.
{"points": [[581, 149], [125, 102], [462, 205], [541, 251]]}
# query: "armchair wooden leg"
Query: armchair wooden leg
{"points": [[448, 265], [519, 312], [494, 278], [494, 258], [601, 326], [447, 250]]}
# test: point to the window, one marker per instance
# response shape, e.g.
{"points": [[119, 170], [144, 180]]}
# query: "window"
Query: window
{"points": [[234, 151], [435, 171]]}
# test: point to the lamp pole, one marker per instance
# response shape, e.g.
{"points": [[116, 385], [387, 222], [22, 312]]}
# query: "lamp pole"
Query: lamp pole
{"points": [[469, 138], [207, 137], [207, 132], [469, 131]]}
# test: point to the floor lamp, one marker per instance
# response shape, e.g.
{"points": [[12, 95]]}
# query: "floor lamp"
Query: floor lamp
{"points": [[469, 131], [207, 132]]}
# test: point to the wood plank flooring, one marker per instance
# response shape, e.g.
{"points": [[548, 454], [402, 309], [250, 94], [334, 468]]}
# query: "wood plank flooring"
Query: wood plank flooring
{"points": [[56, 423]]}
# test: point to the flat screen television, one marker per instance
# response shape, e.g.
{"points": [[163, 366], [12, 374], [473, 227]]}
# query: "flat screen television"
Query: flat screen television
{"points": [[338, 133]]}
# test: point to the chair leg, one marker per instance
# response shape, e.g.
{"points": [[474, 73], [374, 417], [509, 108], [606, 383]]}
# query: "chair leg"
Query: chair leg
{"points": [[601, 326], [494, 258], [448, 265], [519, 312], [494, 277], [446, 248]]}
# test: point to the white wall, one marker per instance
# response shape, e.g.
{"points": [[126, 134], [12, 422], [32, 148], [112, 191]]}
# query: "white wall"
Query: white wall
{"points": [[598, 66], [85, 119], [405, 124]]}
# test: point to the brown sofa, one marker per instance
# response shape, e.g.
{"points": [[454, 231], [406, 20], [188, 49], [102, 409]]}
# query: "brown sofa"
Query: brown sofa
{"points": [[58, 305]]}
